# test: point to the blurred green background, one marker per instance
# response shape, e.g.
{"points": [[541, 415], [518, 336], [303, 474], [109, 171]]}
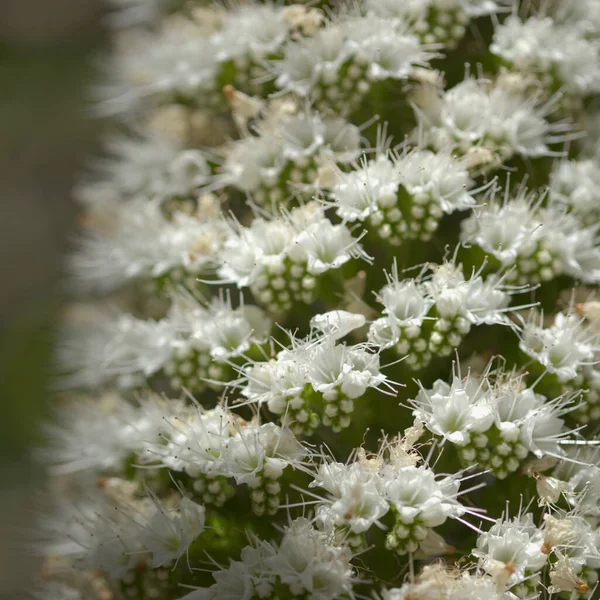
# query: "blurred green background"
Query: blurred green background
{"points": [[49, 51]]}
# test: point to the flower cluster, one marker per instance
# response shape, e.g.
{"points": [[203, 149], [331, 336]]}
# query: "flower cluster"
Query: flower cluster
{"points": [[336, 326], [317, 379], [494, 421], [403, 196], [286, 258], [430, 315], [536, 241]]}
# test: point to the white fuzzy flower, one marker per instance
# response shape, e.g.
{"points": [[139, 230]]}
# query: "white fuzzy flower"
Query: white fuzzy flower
{"points": [[359, 193], [457, 411], [417, 495], [308, 562], [305, 61], [476, 299], [436, 581], [581, 474], [148, 165], [576, 184], [328, 246], [538, 242], [564, 576], [140, 242], [583, 15], [516, 542], [169, 532], [258, 256], [124, 349], [177, 59], [389, 50], [99, 434], [192, 440], [338, 63], [529, 46], [496, 115], [405, 303], [382, 185], [259, 450], [224, 331], [436, 175], [351, 369], [506, 229], [357, 499], [561, 348], [250, 31]]}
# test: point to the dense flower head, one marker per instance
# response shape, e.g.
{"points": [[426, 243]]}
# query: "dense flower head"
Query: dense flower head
{"points": [[538, 242], [494, 116], [287, 151], [575, 67], [340, 62], [335, 329]]}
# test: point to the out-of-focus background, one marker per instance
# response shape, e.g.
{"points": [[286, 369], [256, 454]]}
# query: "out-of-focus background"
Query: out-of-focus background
{"points": [[49, 50]]}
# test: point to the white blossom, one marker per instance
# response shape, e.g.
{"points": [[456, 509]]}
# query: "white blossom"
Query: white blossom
{"points": [[141, 242], [498, 116], [517, 542], [562, 347], [528, 46]]}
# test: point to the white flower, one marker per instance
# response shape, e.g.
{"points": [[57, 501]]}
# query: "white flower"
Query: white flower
{"points": [[178, 58], [248, 249], [168, 533], [192, 440], [455, 411], [437, 175], [140, 242], [389, 50], [252, 31], [288, 146], [230, 332], [477, 300], [584, 15], [351, 369], [259, 450], [253, 254], [561, 348], [537, 420], [378, 184], [495, 115], [98, 532], [307, 59], [540, 242], [437, 581], [529, 46], [124, 349], [564, 576], [517, 542], [576, 184], [506, 229], [417, 495], [328, 246], [357, 498], [99, 434], [359, 193], [149, 166], [252, 161], [308, 562]]}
